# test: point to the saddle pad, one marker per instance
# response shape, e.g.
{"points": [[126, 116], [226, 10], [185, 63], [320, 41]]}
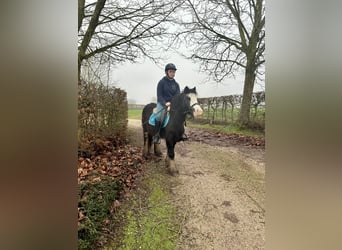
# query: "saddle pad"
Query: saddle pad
{"points": [[152, 120]]}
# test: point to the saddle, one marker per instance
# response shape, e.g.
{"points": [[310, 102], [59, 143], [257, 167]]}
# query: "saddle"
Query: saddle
{"points": [[152, 120]]}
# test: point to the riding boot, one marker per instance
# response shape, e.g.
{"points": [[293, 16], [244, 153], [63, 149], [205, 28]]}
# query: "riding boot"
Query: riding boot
{"points": [[184, 137], [156, 137]]}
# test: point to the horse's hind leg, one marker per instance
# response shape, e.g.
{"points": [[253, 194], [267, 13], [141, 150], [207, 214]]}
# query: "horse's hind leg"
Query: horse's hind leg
{"points": [[157, 150], [146, 150], [149, 139]]}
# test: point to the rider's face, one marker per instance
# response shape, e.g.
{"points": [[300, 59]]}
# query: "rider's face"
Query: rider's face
{"points": [[171, 73]]}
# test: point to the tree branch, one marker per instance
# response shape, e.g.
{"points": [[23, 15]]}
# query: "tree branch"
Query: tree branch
{"points": [[236, 43], [80, 13], [242, 29], [218, 60], [91, 28]]}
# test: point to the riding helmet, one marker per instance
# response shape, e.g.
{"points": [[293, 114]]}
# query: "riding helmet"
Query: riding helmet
{"points": [[170, 66]]}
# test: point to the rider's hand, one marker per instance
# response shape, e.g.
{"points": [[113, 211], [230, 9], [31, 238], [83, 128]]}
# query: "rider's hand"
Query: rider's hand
{"points": [[167, 104]]}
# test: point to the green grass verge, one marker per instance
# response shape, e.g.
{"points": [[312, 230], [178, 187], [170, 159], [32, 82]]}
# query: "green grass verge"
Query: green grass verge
{"points": [[225, 129], [149, 218], [134, 114], [153, 229]]}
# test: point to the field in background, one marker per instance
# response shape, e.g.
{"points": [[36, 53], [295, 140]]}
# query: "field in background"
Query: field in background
{"points": [[203, 122], [134, 114], [232, 115], [230, 128]]}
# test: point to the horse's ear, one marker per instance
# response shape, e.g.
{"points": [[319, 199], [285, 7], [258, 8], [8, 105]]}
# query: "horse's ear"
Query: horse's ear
{"points": [[195, 89], [186, 90]]}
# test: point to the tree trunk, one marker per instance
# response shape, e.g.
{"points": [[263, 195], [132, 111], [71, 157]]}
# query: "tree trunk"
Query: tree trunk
{"points": [[79, 70], [90, 30], [232, 114], [81, 4], [247, 96]]}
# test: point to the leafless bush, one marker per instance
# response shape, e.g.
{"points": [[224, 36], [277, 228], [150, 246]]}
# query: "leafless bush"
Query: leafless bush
{"points": [[102, 111]]}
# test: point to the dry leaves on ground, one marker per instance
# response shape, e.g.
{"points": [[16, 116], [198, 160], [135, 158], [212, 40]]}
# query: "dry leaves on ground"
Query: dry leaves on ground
{"points": [[111, 158]]}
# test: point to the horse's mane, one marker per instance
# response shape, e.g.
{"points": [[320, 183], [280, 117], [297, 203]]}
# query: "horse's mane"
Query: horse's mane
{"points": [[178, 100]]}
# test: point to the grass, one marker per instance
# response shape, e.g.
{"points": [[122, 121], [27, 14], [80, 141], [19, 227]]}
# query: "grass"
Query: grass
{"points": [[225, 129], [134, 114], [148, 220], [152, 229], [149, 216], [232, 116]]}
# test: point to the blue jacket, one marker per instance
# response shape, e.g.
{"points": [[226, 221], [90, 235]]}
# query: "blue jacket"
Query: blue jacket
{"points": [[166, 89]]}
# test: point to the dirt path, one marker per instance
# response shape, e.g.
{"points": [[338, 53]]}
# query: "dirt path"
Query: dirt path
{"points": [[219, 194]]}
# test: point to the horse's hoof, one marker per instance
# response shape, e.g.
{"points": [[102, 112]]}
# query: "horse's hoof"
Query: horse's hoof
{"points": [[173, 172], [158, 154], [147, 155], [167, 161], [172, 168]]}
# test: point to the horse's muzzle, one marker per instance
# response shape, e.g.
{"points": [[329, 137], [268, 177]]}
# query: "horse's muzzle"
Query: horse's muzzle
{"points": [[197, 110]]}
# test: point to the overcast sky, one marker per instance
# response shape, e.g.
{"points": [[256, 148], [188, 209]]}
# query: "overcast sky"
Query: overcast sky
{"points": [[140, 79]]}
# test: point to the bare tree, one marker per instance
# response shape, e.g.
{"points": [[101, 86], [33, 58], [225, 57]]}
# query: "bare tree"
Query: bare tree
{"points": [[115, 31], [95, 71], [227, 36]]}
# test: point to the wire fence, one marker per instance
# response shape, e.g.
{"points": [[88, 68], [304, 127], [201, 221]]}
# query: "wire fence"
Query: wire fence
{"points": [[225, 109]]}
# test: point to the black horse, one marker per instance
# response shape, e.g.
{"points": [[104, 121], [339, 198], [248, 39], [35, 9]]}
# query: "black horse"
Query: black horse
{"points": [[182, 105]]}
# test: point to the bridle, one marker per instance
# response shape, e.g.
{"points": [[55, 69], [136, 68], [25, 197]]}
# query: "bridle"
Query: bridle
{"points": [[190, 111]]}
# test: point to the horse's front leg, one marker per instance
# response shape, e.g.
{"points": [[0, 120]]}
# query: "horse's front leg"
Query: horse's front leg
{"points": [[170, 157]]}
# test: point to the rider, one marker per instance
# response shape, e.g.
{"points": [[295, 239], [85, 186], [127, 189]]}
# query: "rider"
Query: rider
{"points": [[167, 88]]}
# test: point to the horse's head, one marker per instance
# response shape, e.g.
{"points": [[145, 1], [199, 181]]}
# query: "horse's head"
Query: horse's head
{"points": [[193, 103]]}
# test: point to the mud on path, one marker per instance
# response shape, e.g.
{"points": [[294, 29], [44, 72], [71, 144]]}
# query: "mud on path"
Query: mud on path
{"points": [[219, 194]]}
